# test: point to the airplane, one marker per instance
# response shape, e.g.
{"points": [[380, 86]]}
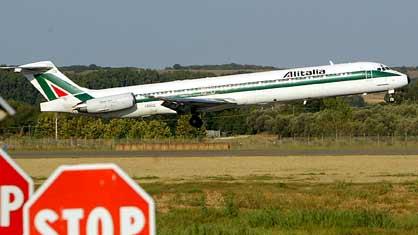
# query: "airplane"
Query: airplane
{"points": [[197, 96]]}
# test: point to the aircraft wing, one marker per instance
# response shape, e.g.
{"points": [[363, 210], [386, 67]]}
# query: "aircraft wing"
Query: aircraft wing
{"points": [[183, 105]]}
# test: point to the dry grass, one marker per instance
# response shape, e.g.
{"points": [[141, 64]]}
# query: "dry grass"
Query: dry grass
{"points": [[315, 169], [375, 98]]}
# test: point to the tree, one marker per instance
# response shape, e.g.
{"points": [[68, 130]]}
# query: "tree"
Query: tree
{"points": [[186, 131], [337, 115], [156, 130], [45, 125], [137, 130], [177, 66], [281, 126], [117, 128], [25, 117], [93, 128]]}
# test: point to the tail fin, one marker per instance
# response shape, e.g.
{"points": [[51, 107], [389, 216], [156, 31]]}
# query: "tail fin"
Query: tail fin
{"points": [[50, 82]]}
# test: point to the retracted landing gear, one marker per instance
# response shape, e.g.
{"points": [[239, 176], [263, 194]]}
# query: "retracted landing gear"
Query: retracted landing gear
{"points": [[196, 121]]}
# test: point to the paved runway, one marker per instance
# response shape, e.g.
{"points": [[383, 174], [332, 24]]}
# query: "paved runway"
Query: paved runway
{"points": [[230, 153]]}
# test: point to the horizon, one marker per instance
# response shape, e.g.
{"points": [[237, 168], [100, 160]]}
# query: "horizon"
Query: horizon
{"points": [[203, 65], [189, 65]]}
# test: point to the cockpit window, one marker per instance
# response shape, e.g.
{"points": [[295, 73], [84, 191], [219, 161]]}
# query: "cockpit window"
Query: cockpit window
{"points": [[383, 68]]}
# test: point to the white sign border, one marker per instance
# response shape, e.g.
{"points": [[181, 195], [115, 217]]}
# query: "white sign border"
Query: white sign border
{"points": [[19, 170], [108, 166]]}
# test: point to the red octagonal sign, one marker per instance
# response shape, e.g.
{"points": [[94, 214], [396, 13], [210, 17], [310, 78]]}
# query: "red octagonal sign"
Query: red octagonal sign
{"points": [[15, 189], [90, 199]]}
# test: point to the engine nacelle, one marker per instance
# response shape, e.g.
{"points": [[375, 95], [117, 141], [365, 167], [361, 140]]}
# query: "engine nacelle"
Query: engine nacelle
{"points": [[107, 104]]}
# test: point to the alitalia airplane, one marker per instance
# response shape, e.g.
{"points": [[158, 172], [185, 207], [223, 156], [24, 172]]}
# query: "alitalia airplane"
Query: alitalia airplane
{"points": [[209, 94]]}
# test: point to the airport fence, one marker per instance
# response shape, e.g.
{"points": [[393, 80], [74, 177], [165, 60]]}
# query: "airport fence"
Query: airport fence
{"points": [[29, 144], [251, 142], [327, 142]]}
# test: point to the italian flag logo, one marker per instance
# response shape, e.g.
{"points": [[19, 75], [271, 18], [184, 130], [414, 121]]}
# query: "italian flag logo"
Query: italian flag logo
{"points": [[54, 87], [58, 91]]}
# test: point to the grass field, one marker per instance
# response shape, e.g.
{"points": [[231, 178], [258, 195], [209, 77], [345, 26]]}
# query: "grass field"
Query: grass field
{"points": [[253, 207], [272, 195]]}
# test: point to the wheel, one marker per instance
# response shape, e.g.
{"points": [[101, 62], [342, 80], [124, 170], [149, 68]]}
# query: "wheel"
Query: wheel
{"points": [[195, 121], [389, 98]]}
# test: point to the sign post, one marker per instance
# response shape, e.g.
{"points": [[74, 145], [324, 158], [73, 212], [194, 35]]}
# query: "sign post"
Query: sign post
{"points": [[15, 189], [90, 199], [5, 109]]}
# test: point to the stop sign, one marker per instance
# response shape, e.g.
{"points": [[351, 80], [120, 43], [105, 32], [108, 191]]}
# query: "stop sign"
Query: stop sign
{"points": [[15, 189], [90, 199]]}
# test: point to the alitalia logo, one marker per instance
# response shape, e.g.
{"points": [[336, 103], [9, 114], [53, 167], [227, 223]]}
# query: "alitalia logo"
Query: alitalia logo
{"points": [[59, 92], [54, 87], [292, 74]]}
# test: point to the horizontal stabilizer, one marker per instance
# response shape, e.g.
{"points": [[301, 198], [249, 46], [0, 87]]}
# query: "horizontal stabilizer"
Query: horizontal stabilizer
{"points": [[34, 68]]}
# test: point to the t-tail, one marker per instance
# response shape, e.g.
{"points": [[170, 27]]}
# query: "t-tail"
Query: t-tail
{"points": [[60, 92]]}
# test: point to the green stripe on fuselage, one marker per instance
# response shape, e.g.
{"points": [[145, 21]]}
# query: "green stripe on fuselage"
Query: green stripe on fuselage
{"points": [[330, 78], [84, 96], [382, 74]]}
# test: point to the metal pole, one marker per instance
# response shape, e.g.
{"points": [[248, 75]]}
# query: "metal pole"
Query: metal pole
{"points": [[56, 126]]}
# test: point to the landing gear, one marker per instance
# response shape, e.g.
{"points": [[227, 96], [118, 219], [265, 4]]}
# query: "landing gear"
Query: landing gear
{"points": [[390, 98], [196, 121]]}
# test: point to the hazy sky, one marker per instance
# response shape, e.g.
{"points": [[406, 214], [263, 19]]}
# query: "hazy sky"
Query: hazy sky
{"points": [[158, 33]]}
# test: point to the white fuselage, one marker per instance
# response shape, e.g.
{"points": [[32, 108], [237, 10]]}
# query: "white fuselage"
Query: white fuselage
{"points": [[261, 88]]}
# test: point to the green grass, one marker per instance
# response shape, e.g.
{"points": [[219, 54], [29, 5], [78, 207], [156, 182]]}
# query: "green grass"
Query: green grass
{"points": [[232, 220], [259, 207]]}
